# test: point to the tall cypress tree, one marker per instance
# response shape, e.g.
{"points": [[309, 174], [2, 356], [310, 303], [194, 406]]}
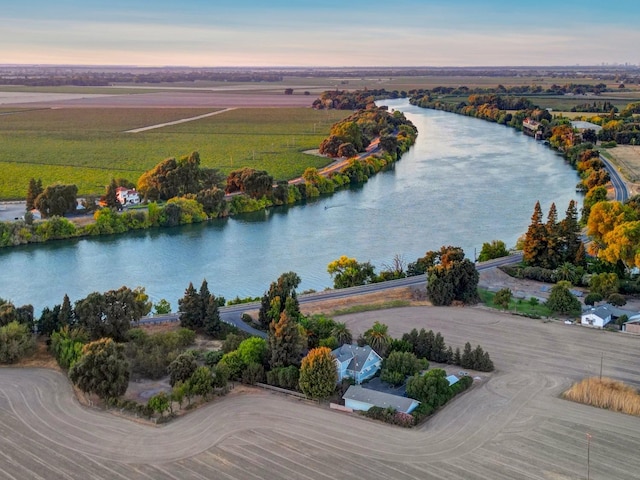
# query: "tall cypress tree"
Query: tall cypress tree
{"points": [[553, 256], [190, 309], [570, 234], [35, 189], [535, 245]]}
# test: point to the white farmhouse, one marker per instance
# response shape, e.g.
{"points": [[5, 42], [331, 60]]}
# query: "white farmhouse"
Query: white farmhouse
{"points": [[127, 196]]}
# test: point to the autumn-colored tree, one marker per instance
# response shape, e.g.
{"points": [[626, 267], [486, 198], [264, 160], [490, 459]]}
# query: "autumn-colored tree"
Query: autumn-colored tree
{"points": [[452, 278], [281, 296], [286, 343], [623, 244], [535, 241], [318, 374], [348, 272]]}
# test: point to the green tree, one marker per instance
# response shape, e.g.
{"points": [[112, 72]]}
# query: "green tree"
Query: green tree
{"points": [[253, 350], [286, 344], [604, 284], [592, 299], [318, 374], [102, 370], [35, 189], [561, 300], [495, 249], [454, 278], [108, 315], [66, 345], [377, 337], [162, 307], [56, 200], [201, 382], [570, 235], [342, 334], [399, 365], [16, 341], [159, 403], [111, 197], [181, 369], [503, 297], [616, 300], [431, 388], [189, 308], [348, 272]]}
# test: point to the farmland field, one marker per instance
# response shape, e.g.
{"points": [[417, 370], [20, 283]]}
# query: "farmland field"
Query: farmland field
{"points": [[510, 425], [89, 146]]}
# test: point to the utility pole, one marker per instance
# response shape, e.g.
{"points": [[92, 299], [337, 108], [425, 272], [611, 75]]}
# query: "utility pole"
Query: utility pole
{"points": [[601, 359], [588, 449]]}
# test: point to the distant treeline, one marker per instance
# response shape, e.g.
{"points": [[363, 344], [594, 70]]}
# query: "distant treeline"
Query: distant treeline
{"points": [[357, 99]]}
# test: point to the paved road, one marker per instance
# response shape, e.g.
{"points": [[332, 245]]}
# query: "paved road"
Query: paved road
{"points": [[509, 426], [233, 314], [621, 193]]}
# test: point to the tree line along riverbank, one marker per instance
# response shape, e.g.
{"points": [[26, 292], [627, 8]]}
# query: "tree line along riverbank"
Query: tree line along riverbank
{"points": [[179, 192]]}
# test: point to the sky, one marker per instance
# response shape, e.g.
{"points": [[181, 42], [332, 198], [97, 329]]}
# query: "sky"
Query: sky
{"points": [[336, 33]]}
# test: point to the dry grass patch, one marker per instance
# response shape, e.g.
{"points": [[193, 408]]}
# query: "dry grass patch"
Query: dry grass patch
{"points": [[605, 393]]}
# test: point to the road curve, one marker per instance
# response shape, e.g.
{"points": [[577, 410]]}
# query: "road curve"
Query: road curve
{"points": [[621, 192], [233, 314]]}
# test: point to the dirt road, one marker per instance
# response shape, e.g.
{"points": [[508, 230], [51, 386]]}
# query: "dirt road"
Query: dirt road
{"points": [[513, 426]]}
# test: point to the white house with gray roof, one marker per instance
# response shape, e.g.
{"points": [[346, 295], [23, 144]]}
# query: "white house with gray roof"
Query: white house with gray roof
{"points": [[359, 398], [359, 363], [599, 316]]}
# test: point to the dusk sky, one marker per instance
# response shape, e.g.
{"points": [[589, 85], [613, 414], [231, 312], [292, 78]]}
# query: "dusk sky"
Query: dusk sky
{"points": [[320, 33]]}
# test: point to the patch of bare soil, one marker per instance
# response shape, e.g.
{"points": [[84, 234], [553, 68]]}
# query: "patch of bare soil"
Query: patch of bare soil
{"points": [[408, 294], [40, 358]]}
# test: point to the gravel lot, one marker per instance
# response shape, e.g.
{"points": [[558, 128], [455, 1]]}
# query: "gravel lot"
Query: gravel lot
{"points": [[510, 427]]}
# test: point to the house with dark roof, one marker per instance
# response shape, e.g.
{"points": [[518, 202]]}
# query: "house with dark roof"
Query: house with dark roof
{"points": [[358, 398], [359, 363]]}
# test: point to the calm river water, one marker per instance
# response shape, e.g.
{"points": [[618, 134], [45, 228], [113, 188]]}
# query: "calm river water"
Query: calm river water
{"points": [[465, 182]]}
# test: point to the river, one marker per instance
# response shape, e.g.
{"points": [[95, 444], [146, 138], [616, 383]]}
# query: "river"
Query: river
{"points": [[465, 181]]}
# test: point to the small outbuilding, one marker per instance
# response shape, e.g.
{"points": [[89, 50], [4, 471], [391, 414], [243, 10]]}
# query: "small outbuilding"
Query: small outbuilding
{"points": [[359, 398]]}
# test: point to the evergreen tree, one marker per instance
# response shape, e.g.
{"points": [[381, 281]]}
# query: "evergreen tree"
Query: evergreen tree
{"points": [[457, 359], [35, 189], [111, 197], [65, 317], [535, 242], [212, 322], [285, 342], [318, 373], [570, 234], [554, 253], [439, 349], [466, 361], [190, 309]]}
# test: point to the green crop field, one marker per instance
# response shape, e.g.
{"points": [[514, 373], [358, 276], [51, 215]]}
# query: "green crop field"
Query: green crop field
{"points": [[89, 146]]}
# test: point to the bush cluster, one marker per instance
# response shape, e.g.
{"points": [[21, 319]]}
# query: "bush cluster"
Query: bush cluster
{"points": [[390, 415], [284, 377]]}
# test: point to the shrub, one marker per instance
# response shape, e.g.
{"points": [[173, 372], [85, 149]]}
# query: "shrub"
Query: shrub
{"points": [[212, 357], [253, 373], [16, 341]]}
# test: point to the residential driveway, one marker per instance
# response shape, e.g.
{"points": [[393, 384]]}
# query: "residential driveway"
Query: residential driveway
{"points": [[511, 426]]}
